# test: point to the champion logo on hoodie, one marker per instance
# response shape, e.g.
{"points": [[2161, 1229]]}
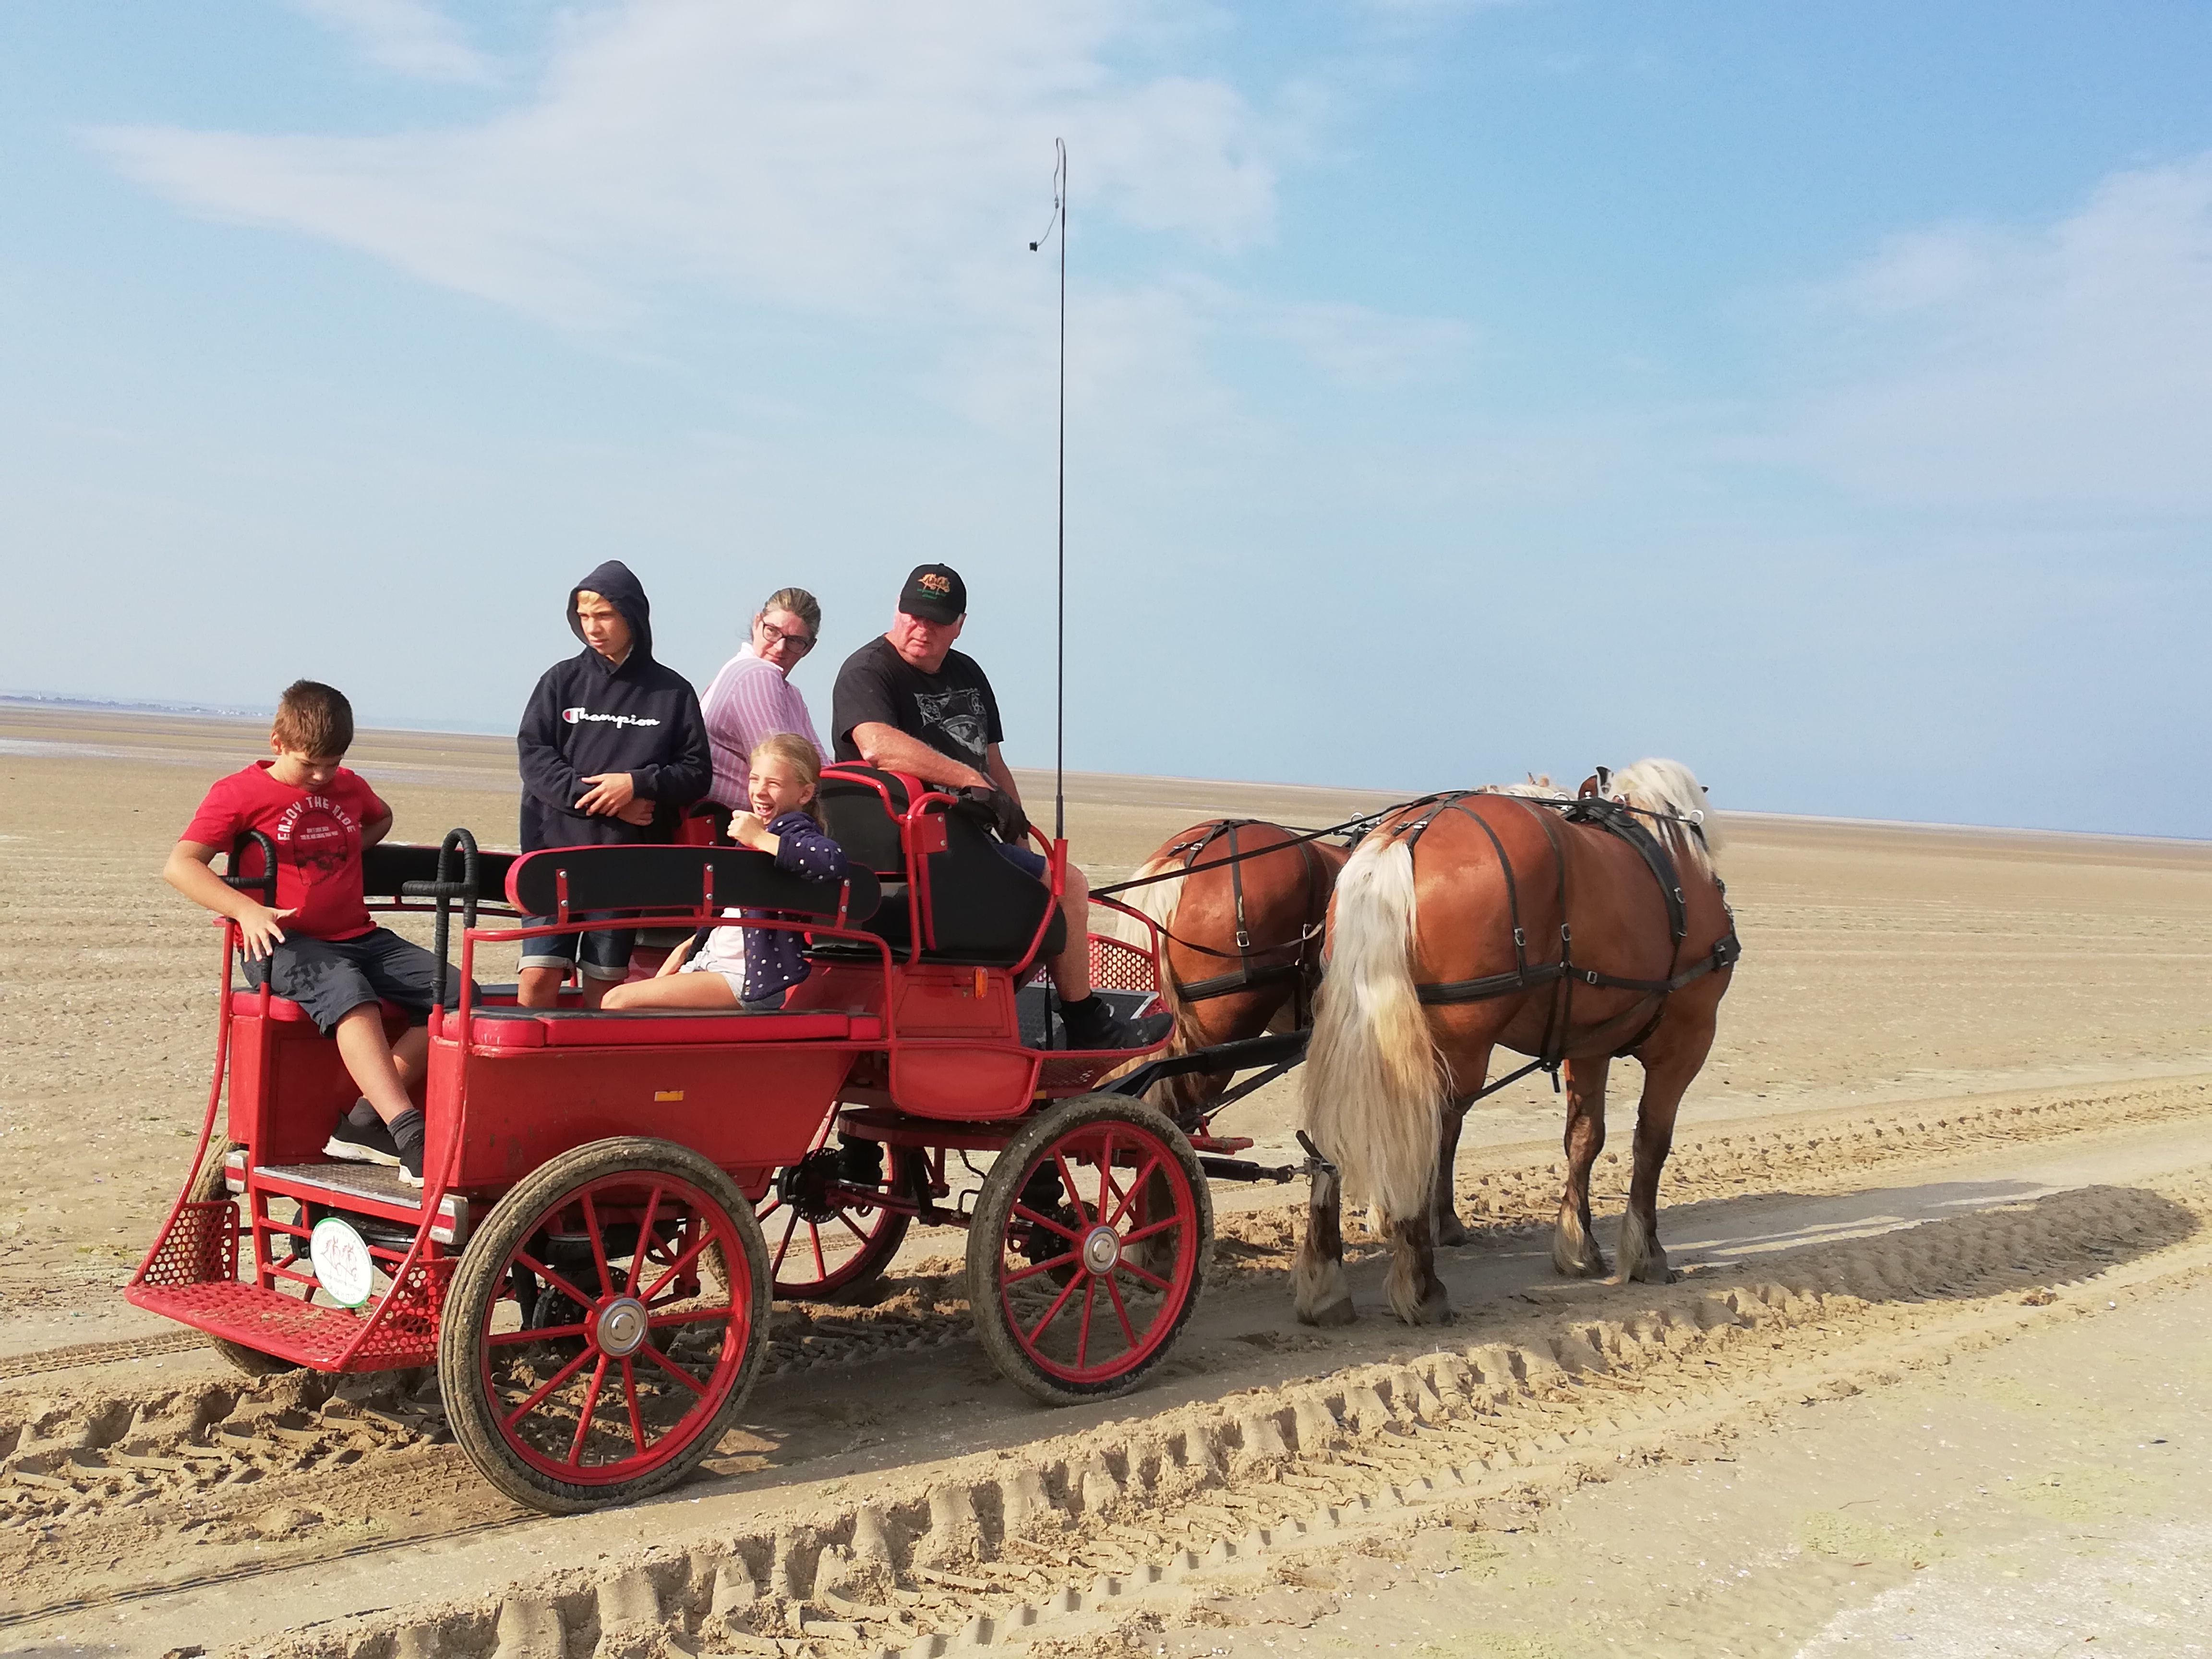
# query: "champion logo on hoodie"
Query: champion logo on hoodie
{"points": [[572, 715]]}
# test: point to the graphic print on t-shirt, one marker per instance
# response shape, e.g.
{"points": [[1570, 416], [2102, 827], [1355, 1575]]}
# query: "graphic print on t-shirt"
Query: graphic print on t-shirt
{"points": [[321, 835], [958, 714]]}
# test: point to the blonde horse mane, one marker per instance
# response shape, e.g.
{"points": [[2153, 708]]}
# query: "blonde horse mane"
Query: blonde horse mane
{"points": [[1689, 827], [1374, 1086], [1539, 786]]}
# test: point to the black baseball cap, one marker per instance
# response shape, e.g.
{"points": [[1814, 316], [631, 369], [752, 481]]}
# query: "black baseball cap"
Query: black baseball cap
{"points": [[935, 593]]}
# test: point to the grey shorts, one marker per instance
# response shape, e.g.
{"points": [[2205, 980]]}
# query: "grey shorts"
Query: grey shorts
{"points": [[331, 978], [603, 953]]}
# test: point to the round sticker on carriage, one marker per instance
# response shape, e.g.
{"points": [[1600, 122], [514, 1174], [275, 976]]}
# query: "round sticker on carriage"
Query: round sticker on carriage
{"points": [[342, 1262]]}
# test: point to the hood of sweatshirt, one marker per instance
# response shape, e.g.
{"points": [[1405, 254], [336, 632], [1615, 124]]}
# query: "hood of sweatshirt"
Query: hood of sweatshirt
{"points": [[613, 582]]}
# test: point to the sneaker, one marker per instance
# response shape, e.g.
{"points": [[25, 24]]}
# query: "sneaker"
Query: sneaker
{"points": [[1093, 1025], [407, 1135], [363, 1143]]}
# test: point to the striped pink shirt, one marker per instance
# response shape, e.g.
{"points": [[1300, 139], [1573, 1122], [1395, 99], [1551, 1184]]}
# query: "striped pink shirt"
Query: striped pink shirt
{"points": [[749, 700]]}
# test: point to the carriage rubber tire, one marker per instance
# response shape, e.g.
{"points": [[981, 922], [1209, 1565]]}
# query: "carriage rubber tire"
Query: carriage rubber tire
{"points": [[909, 1173], [480, 1281], [987, 1231], [208, 1186]]}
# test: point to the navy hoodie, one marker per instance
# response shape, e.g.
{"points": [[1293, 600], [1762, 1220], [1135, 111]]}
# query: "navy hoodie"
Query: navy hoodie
{"points": [[589, 716]]}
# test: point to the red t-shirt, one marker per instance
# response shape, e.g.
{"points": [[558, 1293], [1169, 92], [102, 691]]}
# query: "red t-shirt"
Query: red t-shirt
{"points": [[318, 837]]}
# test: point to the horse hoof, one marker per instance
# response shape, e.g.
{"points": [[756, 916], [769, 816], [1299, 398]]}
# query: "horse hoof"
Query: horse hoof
{"points": [[1432, 1311], [1590, 1265], [1337, 1312], [1450, 1234]]}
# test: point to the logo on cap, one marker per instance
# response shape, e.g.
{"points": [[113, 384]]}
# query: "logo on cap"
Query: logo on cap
{"points": [[940, 586]]}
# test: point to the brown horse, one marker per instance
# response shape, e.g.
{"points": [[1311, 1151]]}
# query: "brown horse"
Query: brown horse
{"points": [[1243, 928], [1466, 923]]}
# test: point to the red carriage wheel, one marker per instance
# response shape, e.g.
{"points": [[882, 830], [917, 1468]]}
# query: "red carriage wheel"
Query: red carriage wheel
{"points": [[1089, 1243], [824, 1245], [605, 1325]]}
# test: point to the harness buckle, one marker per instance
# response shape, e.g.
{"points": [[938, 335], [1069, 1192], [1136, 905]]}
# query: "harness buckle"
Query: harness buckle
{"points": [[1243, 939], [1520, 938]]}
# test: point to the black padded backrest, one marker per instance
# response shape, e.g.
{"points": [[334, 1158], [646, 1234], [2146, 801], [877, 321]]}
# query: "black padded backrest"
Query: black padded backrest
{"points": [[858, 822], [674, 879], [983, 908], [387, 866]]}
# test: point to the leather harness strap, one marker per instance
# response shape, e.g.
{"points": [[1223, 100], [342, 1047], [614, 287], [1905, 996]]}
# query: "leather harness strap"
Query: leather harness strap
{"points": [[1617, 820], [1300, 972]]}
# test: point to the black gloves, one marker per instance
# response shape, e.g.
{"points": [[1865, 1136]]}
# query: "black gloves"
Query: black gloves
{"points": [[1000, 810]]}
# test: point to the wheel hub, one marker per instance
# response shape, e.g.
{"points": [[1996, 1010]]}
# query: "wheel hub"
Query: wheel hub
{"points": [[621, 1326], [1101, 1249]]}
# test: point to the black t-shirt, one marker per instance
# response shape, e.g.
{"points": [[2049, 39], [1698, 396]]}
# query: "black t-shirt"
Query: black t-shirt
{"points": [[952, 710]]}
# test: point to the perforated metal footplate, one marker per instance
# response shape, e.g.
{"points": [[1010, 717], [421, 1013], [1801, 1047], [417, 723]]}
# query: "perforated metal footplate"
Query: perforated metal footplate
{"points": [[376, 1180]]}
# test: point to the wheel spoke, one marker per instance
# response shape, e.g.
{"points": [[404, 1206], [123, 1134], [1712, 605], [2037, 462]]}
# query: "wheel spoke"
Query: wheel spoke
{"points": [[1068, 1184], [1139, 1273], [559, 1377], [1040, 1267], [821, 1267], [689, 1316], [1036, 1220], [581, 1299], [637, 1256], [791, 1226], [673, 1369], [1121, 1314], [598, 1249], [629, 1394], [510, 1339], [1150, 1228], [1051, 1313], [1082, 1331], [1130, 1197], [1105, 1171], [575, 1459], [691, 1254], [847, 1222]]}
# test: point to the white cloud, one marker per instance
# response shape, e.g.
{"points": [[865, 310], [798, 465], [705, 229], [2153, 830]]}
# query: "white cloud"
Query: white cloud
{"points": [[837, 156], [409, 36], [2070, 366]]}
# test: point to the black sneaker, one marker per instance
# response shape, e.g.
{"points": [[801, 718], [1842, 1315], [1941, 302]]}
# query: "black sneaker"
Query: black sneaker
{"points": [[363, 1143], [407, 1135], [1093, 1023]]}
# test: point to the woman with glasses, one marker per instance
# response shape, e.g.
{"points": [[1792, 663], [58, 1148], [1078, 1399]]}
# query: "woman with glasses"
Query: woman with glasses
{"points": [[752, 698]]}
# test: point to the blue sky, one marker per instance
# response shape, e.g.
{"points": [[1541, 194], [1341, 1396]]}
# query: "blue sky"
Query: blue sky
{"points": [[1822, 396]]}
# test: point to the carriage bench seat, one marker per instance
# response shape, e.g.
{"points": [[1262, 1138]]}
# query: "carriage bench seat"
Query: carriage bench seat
{"points": [[579, 1028], [245, 1004]]}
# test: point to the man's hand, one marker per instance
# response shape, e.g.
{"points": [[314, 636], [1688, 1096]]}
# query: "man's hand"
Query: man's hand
{"points": [[261, 929], [609, 794], [639, 811], [1008, 821]]}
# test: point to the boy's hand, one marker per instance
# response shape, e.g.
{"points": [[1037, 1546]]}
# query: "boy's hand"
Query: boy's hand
{"points": [[261, 929], [639, 811], [609, 792]]}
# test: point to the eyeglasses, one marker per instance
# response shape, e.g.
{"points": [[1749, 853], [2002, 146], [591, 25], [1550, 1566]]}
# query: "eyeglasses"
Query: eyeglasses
{"points": [[772, 636]]}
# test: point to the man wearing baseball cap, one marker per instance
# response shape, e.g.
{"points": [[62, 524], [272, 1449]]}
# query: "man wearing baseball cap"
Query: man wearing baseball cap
{"points": [[909, 702]]}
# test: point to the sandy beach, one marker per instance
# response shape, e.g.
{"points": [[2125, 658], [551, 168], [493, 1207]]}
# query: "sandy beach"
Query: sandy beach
{"points": [[1949, 1165]]}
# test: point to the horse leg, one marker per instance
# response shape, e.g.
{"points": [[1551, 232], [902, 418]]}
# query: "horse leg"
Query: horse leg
{"points": [[1670, 1059], [1324, 1297], [1575, 1249], [1416, 1294], [1444, 1213]]}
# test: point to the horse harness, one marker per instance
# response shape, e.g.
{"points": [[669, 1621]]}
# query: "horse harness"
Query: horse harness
{"points": [[1525, 976], [1303, 971]]}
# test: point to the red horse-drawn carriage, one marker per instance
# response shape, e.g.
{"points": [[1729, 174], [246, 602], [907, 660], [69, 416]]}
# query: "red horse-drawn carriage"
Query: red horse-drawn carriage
{"points": [[586, 1263]]}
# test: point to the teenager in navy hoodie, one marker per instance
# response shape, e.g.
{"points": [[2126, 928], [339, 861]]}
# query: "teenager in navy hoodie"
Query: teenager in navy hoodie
{"points": [[613, 748]]}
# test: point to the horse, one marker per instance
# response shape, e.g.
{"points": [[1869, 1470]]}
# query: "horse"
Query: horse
{"points": [[1575, 932], [1241, 928]]}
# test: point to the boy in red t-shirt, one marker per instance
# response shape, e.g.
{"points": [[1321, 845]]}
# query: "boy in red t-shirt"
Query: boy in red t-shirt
{"points": [[318, 947]]}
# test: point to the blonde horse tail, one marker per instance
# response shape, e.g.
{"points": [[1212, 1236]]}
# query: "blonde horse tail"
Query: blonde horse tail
{"points": [[1374, 1086]]}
